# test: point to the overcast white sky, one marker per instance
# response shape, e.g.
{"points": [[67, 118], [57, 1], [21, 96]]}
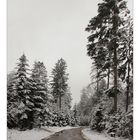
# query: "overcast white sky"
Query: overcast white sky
{"points": [[47, 30]]}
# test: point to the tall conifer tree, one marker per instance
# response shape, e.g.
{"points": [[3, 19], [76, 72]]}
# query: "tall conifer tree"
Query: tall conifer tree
{"points": [[59, 81], [40, 94], [105, 38], [24, 98]]}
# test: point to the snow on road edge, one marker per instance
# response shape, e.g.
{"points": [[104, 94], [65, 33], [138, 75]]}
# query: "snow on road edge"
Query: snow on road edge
{"points": [[34, 134], [89, 134]]}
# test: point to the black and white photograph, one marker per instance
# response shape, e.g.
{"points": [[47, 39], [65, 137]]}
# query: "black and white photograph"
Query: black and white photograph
{"points": [[69, 70]]}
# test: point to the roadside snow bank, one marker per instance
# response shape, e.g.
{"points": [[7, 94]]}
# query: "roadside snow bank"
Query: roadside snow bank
{"points": [[34, 134], [92, 135]]}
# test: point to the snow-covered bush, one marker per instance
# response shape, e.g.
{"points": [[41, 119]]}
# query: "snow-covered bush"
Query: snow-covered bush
{"points": [[97, 121], [112, 122], [84, 120], [115, 124], [57, 119], [120, 124], [73, 121], [11, 121], [125, 128]]}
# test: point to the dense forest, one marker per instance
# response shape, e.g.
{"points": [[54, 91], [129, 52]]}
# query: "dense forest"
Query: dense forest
{"points": [[106, 104]]}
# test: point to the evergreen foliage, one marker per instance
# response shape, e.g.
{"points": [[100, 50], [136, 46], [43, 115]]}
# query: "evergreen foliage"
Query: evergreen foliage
{"points": [[30, 103], [11, 101], [40, 94], [59, 83], [105, 41]]}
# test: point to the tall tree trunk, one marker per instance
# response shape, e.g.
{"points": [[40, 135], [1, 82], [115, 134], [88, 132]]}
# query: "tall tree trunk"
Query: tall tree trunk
{"points": [[59, 102], [97, 81], [127, 92], [115, 78], [97, 85], [108, 78], [128, 82], [115, 45]]}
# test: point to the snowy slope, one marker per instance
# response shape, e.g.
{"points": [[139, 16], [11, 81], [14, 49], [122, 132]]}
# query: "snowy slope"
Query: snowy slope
{"points": [[92, 135], [34, 134]]}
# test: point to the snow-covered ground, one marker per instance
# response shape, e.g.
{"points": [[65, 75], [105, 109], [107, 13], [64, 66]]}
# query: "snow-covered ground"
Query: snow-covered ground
{"points": [[34, 134], [92, 135]]}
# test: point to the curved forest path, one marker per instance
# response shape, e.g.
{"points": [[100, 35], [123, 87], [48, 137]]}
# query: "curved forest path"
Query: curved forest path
{"points": [[70, 134]]}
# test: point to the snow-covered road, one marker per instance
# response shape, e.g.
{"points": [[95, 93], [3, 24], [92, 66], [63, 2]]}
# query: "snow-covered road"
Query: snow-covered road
{"points": [[71, 134], [58, 133], [34, 134]]}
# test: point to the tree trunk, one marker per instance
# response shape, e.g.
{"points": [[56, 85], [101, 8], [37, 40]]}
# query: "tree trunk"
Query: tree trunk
{"points": [[128, 82], [60, 103], [115, 45], [127, 92], [97, 85], [108, 78], [97, 81], [115, 78], [57, 104]]}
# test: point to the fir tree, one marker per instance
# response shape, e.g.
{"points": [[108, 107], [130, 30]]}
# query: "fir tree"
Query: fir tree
{"points": [[24, 98], [59, 82], [11, 101], [66, 102], [125, 70], [105, 38], [40, 93]]}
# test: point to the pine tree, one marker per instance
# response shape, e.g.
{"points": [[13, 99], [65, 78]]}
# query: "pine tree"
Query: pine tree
{"points": [[66, 103], [59, 82], [11, 101], [125, 70], [74, 119], [105, 38], [40, 93], [11, 92], [24, 99]]}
